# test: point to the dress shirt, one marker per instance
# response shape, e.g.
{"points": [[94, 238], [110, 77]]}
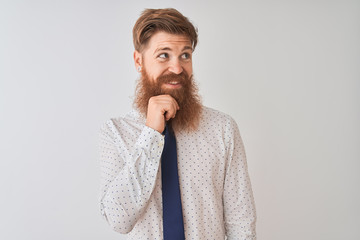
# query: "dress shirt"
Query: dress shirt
{"points": [[216, 194]]}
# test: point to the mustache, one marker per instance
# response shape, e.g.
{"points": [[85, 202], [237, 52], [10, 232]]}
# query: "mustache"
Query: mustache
{"points": [[182, 78]]}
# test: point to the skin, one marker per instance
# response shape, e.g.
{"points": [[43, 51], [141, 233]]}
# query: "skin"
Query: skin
{"points": [[165, 53]]}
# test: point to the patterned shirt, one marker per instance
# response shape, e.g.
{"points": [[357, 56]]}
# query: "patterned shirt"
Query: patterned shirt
{"points": [[216, 194]]}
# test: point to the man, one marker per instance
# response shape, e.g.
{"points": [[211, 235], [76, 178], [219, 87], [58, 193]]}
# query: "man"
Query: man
{"points": [[206, 193]]}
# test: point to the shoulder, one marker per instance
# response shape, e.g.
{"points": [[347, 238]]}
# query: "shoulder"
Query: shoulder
{"points": [[219, 123], [216, 117], [219, 126]]}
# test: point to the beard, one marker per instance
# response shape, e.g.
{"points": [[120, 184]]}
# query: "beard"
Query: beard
{"points": [[188, 116]]}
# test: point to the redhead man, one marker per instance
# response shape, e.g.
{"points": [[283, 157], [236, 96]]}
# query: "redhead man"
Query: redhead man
{"points": [[173, 168]]}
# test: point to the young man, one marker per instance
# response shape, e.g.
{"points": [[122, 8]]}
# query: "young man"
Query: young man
{"points": [[156, 187]]}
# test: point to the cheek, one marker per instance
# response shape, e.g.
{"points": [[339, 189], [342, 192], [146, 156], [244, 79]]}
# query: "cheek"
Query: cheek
{"points": [[188, 69], [156, 72], [153, 70]]}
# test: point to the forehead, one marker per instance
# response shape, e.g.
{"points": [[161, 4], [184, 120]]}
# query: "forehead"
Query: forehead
{"points": [[163, 39]]}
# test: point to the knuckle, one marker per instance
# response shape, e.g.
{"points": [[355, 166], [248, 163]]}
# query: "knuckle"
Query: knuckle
{"points": [[151, 100]]}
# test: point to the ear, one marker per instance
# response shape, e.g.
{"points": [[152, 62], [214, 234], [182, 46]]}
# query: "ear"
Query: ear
{"points": [[138, 60]]}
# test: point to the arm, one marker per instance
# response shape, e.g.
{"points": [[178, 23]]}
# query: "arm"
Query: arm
{"points": [[127, 176], [239, 206]]}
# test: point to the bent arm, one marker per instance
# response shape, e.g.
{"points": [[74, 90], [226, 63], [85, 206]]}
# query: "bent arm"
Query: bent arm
{"points": [[127, 177], [239, 206]]}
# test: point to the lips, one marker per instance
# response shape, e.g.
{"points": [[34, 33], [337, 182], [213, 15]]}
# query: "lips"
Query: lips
{"points": [[173, 82]]}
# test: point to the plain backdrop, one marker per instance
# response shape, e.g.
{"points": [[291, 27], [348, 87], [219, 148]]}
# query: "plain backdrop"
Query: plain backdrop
{"points": [[287, 71]]}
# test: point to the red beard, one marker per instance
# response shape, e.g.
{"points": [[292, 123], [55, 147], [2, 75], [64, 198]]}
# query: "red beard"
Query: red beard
{"points": [[188, 117]]}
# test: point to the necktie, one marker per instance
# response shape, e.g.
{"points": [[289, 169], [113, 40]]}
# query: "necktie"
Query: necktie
{"points": [[173, 225]]}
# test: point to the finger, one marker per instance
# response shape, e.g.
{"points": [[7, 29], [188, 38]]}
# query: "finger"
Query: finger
{"points": [[176, 105], [174, 109], [171, 107], [175, 102], [169, 97], [171, 111], [167, 116]]}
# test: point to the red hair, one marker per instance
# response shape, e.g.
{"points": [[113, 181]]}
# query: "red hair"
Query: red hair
{"points": [[168, 20]]}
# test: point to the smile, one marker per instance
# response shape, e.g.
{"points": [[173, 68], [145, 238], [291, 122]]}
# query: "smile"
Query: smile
{"points": [[173, 84]]}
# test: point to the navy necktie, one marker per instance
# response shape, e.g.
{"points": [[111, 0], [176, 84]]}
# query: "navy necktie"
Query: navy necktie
{"points": [[173, 225]]}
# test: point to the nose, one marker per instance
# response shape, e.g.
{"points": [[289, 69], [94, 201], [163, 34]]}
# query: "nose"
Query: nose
{"points": [[175, 67]]}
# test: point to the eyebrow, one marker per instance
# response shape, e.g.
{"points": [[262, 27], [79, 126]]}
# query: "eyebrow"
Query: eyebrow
{"points": [[169, 49]]}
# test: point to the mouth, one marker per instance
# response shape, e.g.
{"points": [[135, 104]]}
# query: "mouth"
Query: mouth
{"points": [[173, 84]]}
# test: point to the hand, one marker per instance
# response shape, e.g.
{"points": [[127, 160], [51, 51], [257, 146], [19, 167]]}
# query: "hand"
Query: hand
{"points": [[160, 109]]}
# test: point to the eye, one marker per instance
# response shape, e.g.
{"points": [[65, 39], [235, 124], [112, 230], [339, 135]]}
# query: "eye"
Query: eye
{"points": [[163, 55], [185, 56]]}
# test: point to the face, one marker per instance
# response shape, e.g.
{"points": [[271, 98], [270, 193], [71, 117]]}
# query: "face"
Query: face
{"points": [[167, 69], [165, 54]]}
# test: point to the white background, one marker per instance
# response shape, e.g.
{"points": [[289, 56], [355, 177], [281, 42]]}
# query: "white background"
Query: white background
{"points": [[287, 71]]}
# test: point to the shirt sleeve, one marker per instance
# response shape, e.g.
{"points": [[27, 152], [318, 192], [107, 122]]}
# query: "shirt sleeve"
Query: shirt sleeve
{"points": [[239, 206], [127, 176]]}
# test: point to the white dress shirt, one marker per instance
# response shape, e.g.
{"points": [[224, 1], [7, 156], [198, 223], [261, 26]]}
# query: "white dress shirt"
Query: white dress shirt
{"points": [[216, 194]]}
